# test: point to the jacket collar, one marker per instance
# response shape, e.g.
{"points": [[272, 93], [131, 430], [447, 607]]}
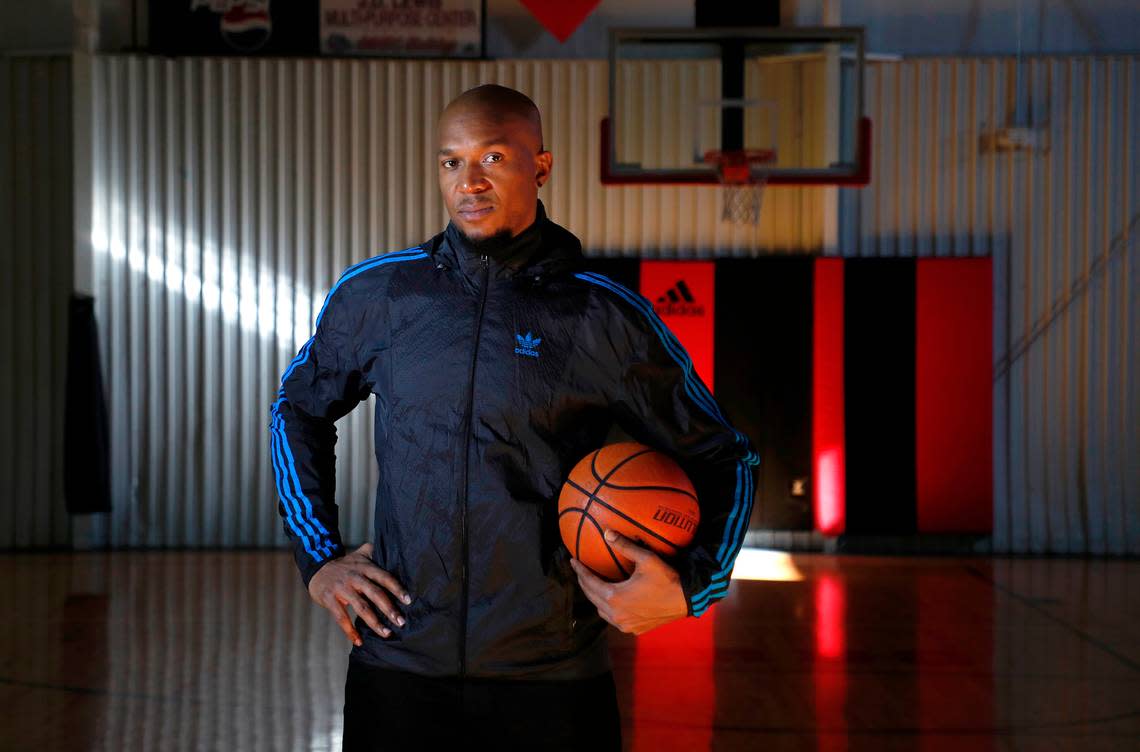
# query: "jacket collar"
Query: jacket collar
{"points": [[541, 251]]}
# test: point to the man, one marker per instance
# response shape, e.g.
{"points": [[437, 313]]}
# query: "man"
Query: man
{"points": [[473, 624]]}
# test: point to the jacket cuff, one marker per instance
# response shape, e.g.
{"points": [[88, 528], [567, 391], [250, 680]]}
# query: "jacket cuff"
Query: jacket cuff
{"points": [[308, 567], [691, 569]]}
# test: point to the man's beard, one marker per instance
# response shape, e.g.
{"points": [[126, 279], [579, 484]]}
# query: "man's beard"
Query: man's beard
{"points": [[490, 244]]}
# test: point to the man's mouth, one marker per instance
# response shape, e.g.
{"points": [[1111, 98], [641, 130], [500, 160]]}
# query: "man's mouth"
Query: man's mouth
{"points": [[475, 212]]}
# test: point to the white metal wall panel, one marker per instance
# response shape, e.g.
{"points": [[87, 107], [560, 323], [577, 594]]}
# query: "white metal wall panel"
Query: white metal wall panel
{"points": [[35, 282], [1061, 225], [931, 192]]}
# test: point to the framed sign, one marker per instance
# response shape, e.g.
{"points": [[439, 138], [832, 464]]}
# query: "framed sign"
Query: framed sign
{"points": [[403, 28], [233, 27]]}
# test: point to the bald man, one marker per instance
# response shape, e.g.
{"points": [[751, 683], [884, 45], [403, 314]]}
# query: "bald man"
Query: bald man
{"points": [[497, 363]]}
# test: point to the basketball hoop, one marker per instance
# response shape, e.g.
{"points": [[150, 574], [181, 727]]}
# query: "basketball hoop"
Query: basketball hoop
{"points": [[741, 190]]}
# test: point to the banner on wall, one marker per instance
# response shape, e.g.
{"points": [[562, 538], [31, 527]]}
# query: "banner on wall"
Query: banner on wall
{"points": [[402, 28], [233, 27], [683, 295]]}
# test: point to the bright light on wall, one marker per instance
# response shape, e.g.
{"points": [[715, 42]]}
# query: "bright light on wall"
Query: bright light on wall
{"points": [[282, 311], [765, 565], [830, 505]]}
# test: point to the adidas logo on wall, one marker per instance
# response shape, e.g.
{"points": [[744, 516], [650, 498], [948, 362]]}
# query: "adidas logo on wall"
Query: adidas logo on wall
{"points": [[678, 301]]}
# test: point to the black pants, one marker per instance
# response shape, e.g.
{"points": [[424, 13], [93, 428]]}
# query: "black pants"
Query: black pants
{"points": [[395, 710]]}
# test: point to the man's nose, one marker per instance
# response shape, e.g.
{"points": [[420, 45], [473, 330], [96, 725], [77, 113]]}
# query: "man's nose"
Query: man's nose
{"points": [[473, 180]]}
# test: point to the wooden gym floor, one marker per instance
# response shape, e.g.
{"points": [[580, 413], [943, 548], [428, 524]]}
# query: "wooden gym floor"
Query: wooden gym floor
{"points": [[224, 651]]}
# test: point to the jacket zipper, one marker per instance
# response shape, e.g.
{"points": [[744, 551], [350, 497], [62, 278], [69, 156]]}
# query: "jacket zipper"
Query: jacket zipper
{"points": [[466, 451]]}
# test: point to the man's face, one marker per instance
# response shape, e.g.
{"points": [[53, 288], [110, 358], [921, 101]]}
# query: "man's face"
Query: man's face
{"points": [[490, 170]]}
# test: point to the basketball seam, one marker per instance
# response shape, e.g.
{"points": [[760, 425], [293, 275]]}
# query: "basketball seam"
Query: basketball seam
{"points": [[643, 452], [624, 516], [609, 550], [578, 537], [585, 509], [653, 488], [615, 468], [592, 497]]}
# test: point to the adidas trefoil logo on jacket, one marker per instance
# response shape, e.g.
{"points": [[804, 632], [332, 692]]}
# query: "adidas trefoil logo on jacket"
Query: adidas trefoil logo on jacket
{"points": [[527, 344]]}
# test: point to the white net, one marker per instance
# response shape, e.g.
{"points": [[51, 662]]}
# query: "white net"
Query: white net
{"points": [[741, 202], [741, 189]]}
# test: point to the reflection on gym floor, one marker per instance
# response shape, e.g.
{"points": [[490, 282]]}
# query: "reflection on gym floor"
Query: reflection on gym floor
{"points": [[212, 651]]}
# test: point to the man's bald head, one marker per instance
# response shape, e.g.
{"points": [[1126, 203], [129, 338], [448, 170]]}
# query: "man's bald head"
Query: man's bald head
{"points": [[498, 104], [491, 161]]}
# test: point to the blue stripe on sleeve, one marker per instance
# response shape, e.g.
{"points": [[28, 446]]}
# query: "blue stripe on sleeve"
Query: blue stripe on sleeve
{"points": [[282, 492]]}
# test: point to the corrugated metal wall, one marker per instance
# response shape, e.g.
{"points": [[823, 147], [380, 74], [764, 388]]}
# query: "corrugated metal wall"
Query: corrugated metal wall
{"points": [[1061, 224], [228, 195], [35, 282]]}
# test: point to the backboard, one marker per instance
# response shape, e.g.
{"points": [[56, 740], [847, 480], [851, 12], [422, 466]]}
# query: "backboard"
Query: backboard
{"points": [[788, 101]]}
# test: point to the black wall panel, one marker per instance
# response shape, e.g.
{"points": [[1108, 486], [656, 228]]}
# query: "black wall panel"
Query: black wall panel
{"points": [[763, 377], [879, 351]]}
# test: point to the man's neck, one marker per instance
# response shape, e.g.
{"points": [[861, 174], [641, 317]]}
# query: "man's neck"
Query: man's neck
{"points": [[502, 246]]}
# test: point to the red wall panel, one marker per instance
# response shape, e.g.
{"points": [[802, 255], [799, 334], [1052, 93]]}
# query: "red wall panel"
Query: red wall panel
{"points": [[828, 443], [683, 294], [953, 397]]}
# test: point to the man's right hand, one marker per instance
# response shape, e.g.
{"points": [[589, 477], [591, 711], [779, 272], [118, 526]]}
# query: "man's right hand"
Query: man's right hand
{"points": [[354, 580]]}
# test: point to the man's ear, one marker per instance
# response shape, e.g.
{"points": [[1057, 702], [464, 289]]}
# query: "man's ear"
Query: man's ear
{"points": [[542, 163]]}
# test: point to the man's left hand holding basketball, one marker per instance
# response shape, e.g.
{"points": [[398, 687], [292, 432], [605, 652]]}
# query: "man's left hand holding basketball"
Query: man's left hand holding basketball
{"points": [[652, 595]]}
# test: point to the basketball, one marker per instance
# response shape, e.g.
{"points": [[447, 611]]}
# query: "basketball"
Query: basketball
{"points": [[633, 489]]}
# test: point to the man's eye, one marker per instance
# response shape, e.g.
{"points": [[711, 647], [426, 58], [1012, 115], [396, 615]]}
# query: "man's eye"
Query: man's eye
{"points": [[449, 164], [493, 158]]}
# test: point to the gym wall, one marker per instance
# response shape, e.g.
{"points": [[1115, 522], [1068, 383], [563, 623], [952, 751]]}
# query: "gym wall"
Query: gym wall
{"points": [[221, 198]]}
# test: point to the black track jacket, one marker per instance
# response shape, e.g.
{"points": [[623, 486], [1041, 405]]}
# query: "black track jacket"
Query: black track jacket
{"points": [[493, 376]]}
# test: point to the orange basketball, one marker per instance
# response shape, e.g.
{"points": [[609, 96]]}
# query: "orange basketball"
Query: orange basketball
{"points": [[631, 488]]}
